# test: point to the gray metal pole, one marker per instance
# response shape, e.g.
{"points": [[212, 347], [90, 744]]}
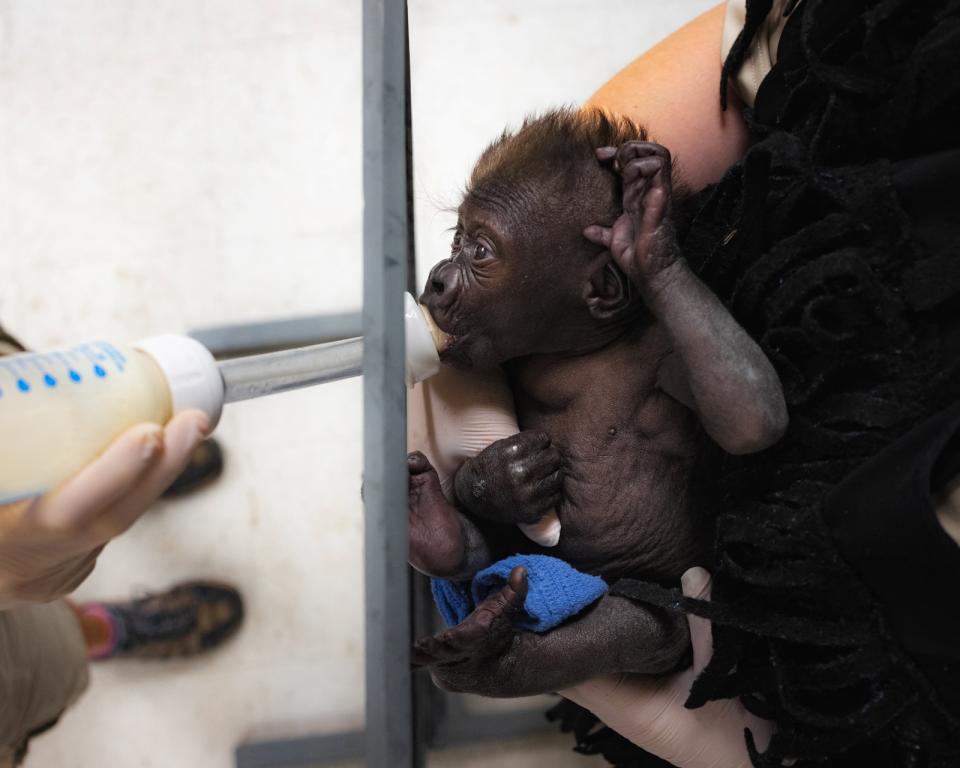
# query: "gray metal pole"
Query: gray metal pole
{"points": [[389, 709], [266, 335]]}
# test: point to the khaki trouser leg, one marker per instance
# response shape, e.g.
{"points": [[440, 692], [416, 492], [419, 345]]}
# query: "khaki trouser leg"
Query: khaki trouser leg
{"points": [[43, 669]]}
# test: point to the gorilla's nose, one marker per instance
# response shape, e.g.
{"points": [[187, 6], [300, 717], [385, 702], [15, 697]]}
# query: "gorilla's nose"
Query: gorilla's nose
{"points": [[439, 282], [442, 287]]}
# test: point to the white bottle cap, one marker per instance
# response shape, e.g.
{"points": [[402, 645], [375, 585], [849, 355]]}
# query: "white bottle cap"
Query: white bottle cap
{"points": [[546, 531], [423, 361], [192, 373]]}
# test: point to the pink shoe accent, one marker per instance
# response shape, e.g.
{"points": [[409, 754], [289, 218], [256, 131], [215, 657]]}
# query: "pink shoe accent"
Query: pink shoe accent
{"points": [[109, 647]]}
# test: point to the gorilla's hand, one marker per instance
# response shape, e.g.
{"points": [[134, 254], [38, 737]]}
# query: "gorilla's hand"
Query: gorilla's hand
{"points": [[472, 655], [514, 480], [642, 240]]}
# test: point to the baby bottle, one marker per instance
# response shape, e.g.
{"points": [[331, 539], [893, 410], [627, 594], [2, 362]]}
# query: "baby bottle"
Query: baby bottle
{"points": [[58, 410], [61, 409]]}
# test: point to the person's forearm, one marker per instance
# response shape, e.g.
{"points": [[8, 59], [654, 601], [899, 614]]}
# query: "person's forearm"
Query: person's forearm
{"points": [[735, 389], [674, 91], [653, 716]]}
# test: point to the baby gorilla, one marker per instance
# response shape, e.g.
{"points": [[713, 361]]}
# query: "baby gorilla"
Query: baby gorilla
{"points": [[565, 273]]}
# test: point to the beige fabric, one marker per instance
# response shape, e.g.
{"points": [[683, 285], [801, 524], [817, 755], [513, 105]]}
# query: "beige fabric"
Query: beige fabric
{"points": [[763, 51], [43, 669]]}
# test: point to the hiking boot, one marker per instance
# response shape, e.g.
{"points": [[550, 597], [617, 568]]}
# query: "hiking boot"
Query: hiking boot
{"points": [[206, 465], [186, 620]]}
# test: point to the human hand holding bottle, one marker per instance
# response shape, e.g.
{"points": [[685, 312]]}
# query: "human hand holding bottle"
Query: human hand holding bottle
{"points": [[50, 544]]}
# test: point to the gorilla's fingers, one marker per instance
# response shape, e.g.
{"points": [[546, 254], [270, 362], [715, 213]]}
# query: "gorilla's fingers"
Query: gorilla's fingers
{"points": [[599, 235]]}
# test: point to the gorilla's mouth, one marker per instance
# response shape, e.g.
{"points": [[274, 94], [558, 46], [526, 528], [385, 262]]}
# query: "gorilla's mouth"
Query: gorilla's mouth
{"points": [[455, 335], [456, 351]]}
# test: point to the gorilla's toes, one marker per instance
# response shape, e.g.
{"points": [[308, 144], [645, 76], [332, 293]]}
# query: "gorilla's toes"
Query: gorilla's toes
{"points": [[417, 463]]}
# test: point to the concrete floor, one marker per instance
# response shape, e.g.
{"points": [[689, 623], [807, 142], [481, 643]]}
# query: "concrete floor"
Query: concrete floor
{"points": [[167, 165]]}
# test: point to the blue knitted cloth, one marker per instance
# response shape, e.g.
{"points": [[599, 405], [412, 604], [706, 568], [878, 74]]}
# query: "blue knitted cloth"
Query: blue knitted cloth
{"points": [[555, 591]]}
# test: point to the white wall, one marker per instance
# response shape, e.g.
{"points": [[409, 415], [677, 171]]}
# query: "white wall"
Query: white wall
{"points": [[480, 66], [166, 164]]}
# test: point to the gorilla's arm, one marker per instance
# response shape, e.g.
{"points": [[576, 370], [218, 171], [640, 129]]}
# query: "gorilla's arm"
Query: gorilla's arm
{"points": [[716, 368]]}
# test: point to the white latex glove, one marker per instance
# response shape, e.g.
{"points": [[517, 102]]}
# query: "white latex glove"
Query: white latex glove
{"points": [[50, 544], [649, 711], [453, 416]]}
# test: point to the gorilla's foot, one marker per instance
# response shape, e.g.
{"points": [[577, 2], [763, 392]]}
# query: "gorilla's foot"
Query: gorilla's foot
{"points": [[437, 546]]}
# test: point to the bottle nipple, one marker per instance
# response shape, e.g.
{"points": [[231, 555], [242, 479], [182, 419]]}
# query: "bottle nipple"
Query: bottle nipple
{"points": [[421, 333], [440, 338]]}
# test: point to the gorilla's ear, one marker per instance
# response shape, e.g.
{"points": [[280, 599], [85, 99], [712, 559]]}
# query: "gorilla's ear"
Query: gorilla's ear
{"points": [[607, 291]]}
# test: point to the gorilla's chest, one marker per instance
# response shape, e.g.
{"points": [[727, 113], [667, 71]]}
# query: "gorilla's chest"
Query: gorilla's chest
{"points": [[628, 453]]}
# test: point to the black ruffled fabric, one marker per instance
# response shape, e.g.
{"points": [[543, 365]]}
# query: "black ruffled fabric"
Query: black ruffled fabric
{"points": [[836, 244]]}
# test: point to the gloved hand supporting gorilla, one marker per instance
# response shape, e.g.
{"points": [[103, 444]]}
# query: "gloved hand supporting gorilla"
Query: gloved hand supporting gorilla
{"points": [[565, 273]]}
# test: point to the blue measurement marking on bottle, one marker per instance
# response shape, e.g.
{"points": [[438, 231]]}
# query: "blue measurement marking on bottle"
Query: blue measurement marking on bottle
{"points": [[66, 361], [6, 376], [27, 373], [96, 358], [15, 375], [114, 354]]}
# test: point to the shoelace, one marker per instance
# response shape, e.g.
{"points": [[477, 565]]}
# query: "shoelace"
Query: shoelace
{"points": [[142, 623]]}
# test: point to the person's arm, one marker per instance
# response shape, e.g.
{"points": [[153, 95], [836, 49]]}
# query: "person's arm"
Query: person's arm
{"points": [[674, 91]]}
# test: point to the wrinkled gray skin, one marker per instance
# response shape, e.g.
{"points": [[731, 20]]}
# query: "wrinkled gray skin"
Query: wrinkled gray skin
{"points": [[617, 356]]}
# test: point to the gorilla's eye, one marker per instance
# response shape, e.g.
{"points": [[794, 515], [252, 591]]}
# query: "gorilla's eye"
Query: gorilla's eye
{"points": [[482, 252], [457, 244]]}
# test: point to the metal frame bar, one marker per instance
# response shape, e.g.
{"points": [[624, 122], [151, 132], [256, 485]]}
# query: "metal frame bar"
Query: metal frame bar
{"points": [[390, 739], [456, 727], [268, 335], [304, 752], [405, 713]]}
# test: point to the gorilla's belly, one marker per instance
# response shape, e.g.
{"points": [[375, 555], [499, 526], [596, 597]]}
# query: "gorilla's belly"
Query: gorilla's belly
{"points": [[628, 514]]}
